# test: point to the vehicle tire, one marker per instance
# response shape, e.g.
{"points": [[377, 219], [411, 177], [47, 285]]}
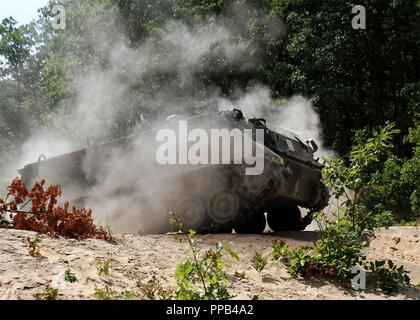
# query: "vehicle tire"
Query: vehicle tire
{"points": [[192, 213], [223, 205], [254, 224], [285, 219]]}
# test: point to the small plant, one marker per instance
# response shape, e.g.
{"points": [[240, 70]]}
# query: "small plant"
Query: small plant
{"points": [[49, 293], [388, 278], [259, 261], [412, 223], [34, 249], [69, 276], [239, 275], [280, 250], [128, 295], [333, 255], [102, 266], [202, 277], [151, 289], [103, 293]]}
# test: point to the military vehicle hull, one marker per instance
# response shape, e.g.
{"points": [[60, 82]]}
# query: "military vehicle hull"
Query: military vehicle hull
{"points": [[206, 196]]}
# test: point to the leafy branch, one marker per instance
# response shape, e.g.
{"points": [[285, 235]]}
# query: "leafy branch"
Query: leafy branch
{"points": [[203, 277]]}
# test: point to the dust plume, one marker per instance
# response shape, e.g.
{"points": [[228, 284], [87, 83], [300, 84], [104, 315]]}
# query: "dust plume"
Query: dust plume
{"points": [[123, 192], [296, 114]]}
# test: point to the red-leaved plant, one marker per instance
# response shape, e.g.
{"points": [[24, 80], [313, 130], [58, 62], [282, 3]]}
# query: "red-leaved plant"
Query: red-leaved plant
{"points": [[46, 216]]}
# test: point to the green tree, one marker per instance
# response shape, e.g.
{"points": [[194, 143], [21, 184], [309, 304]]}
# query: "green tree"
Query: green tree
{"points": [[19, 85], [15, 47], [398, 183], [356, 77]]}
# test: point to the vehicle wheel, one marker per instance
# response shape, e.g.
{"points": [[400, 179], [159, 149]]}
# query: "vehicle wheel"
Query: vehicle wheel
{"points": [[285, 219], [255, 224], [192, 213], [223, 206]]}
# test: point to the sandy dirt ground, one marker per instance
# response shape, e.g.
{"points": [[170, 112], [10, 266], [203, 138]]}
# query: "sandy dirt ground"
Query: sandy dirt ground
{"points": [[138, 257]]}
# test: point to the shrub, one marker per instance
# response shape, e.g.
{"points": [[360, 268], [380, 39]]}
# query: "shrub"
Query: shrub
{"points": [[368, 181], [202, 277], [390, 278], [384, 188], [333, 255], [45, 216], [356, 178]]}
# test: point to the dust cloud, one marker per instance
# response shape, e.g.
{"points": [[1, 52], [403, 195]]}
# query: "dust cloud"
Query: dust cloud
{"points": [[105, 100]]}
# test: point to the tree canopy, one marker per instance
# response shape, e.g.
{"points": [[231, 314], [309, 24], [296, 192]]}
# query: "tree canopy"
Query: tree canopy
{"points": [[356, 79]]}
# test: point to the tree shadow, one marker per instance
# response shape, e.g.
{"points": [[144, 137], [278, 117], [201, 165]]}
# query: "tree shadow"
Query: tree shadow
{"points": [[298, 235]]}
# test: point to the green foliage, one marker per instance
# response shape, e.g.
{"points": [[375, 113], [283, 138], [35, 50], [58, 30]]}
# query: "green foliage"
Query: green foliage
{"points": [[340, 248], [102, 266], [352, 74], [203, 277], [49, 293], [128, 294], [20, 96], [103, 293], [333, 255], [299, 260], [389, 278], [354, 78], [412, 223], [69, 276], [357, 181], [34, 248], [410, 171], [259, 261], [280, 250], [396, 185], [366, 180], [15, 46]]}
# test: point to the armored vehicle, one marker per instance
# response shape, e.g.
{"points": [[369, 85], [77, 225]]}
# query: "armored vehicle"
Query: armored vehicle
{"points": [[136, 181]]}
